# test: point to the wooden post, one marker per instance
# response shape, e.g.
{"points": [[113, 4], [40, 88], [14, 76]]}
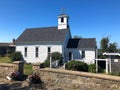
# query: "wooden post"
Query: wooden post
{"points": [[110, 63], [64, 65], [107, 66], [96, 65], [50, 62]]}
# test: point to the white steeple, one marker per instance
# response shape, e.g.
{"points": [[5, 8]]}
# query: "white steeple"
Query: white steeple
{"points": [[62, 21]]}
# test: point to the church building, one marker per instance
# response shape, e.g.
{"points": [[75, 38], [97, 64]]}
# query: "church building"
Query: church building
{"points": [[36, 44]]}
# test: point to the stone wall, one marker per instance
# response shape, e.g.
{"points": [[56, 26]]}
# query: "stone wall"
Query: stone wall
{"points": [[35, 66], [6, 68], [73, 80]]}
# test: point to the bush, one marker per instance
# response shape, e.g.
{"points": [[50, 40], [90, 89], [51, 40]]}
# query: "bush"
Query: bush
{"points": [[115, 73], [10, 51], [55, 56], [45, 64], [77, 66], [92, 68], [16, 56]]}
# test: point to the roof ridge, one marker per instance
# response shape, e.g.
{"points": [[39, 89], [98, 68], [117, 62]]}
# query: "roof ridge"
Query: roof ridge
{"points": [[82, 38], [41, 27], [5, 42]]}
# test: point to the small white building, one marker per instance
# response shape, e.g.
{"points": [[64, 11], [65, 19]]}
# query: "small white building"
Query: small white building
{"points": [[83, 49], [36, 44]]}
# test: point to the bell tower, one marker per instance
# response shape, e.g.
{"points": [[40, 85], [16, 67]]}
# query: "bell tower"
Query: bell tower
{"points": [[62, 21]]}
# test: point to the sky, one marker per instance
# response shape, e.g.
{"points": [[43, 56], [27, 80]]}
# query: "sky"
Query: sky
{"points": [[88, 18]]}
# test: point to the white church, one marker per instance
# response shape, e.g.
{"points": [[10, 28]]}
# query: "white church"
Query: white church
{"points": [[36, 44]]}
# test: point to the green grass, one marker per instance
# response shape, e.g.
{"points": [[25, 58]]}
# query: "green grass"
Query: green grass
{"points": [[5, 60], [27, 67]]}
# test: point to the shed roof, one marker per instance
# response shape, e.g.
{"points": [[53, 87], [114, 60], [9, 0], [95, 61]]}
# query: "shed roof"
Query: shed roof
{"points": [[4, 44], [82, 43]]}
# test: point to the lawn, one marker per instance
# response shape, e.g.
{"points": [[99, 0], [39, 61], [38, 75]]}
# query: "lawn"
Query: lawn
{"points": [[5, 60], [27, 67]]}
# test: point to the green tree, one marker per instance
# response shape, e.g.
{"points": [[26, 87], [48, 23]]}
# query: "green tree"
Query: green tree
{"points": [[77, 37], [104, 44], [112, 47]]}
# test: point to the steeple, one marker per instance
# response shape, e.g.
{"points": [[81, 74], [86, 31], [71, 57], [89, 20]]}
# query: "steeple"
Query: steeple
{"points": [[62, 21]]}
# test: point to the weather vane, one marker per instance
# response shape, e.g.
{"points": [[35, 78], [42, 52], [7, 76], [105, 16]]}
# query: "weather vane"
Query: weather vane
{"points": [[63, 11]]}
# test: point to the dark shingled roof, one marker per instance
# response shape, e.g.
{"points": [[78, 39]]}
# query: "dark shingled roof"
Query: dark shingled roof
{"points": [[42, 34], [4, 44], [82, 43]]}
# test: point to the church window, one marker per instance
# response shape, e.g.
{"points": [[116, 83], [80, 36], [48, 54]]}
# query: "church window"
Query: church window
{"points": [[49, 50], [25, 52], [36, 52], [83, 54]]}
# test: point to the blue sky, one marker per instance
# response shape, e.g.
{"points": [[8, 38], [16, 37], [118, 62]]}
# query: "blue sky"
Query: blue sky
{"points": [[88, 18]]}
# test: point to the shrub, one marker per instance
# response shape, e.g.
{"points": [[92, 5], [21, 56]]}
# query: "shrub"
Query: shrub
{"points": [[10, 51], [92, 68], [57, 56], [16, 56], [45, 64], [54, 56], [115, 73], [76, 66]]}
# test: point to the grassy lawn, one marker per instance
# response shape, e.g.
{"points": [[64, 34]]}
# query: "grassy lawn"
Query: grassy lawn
{"points": [[27, 67], [5, 60]]}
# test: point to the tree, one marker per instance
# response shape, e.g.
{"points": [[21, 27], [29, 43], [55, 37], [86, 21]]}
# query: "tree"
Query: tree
{"points": [[76, 37], [112, 47], [104, 44]]}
